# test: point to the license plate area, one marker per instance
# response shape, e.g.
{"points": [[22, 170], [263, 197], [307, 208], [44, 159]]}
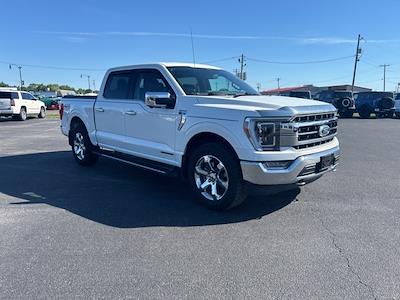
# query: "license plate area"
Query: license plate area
{"points": [[325, 162]]}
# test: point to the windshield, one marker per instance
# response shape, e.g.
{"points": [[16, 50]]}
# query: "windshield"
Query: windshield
{"points": [[200, 81], [342, 95]]}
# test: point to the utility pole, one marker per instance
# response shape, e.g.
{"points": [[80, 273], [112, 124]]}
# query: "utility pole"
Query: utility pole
{"points": [[21, 82], [88, 79], [242, 60], [384, 66], [258, 85], [94, 84], [278, 80], [356, 60], [398, 87]]}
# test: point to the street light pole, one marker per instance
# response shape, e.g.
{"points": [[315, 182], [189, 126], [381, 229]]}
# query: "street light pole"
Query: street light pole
{"points": [[88, 78], [21, 82]]}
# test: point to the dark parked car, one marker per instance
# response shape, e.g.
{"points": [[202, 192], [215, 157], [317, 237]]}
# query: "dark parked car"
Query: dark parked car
{"points": [[342, 100], [380, 103]]}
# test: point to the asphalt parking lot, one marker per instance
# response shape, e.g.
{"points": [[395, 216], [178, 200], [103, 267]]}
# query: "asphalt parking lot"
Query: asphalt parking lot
{"points": [[113, 231]]}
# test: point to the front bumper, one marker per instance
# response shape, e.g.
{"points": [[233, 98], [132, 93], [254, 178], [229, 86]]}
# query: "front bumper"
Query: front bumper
{"points": [[301, 171]]}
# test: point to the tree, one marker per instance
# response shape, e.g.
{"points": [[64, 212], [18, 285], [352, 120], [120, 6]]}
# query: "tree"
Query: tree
{"points": [[3, 84]]}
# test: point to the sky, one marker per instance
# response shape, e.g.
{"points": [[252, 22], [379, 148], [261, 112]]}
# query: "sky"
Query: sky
{"points": [[57, 41]]}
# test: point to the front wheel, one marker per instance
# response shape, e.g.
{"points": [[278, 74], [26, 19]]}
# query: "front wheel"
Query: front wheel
{"points": [[215, 176], [82, 148]]}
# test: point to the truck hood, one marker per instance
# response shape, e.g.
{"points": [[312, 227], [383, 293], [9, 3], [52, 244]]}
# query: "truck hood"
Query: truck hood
{"points": [[267, 106]]}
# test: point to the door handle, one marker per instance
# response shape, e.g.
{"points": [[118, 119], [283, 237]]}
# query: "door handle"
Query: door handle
{"points": [[130, 112], [100, 109]]}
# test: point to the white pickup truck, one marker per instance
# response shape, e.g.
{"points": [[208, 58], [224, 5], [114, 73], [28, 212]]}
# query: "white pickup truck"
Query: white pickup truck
{"points": [[20, 105], [205, 124]]}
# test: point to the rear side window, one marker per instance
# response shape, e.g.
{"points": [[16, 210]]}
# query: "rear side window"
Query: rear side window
{"points": [[118, 85], [14, 95], [5, 95]]}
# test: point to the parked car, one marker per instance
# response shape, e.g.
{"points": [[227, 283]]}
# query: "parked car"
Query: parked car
{"points": [[51, 102], [380, 103], [397, 106], [342, 100], [20, 105], [298, 94], [206, 125]]}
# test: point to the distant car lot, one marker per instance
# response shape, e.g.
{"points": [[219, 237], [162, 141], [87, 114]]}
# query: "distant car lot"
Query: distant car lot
{"points": [[115, 232]]}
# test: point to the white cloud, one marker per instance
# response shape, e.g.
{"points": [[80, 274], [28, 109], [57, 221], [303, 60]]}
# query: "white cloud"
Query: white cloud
{"points": [[301, 40]]}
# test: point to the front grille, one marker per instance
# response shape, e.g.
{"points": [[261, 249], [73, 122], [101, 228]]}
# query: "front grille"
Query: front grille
{"points": [[309, 126], [313, 144], [312, 118]]}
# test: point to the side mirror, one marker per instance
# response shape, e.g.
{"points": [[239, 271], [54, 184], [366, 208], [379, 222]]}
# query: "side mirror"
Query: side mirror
{"points": [[158, 99]]}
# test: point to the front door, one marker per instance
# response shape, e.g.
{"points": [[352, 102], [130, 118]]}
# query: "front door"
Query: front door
{"points": [[150, 132]]}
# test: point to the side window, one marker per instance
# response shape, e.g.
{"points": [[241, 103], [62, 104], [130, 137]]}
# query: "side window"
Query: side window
{"points": [[117, 85], [14, 95], [150, 81], [26, 96]]}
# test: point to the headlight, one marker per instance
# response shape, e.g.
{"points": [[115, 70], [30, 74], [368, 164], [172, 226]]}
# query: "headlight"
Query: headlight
{"points": [[263, 134]]}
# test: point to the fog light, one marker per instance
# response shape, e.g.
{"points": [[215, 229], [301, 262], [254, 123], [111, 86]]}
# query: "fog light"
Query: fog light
{"points": [[282, 164]]}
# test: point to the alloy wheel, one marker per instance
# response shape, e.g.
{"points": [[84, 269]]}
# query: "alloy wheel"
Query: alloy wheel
{"points": [[211, 177], [79, 146]]}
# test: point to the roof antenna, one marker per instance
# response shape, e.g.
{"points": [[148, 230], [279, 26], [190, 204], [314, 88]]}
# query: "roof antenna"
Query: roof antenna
{"points": [[191, 38]]}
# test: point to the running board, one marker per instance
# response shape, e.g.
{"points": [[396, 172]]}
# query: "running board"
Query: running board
{"points": [[143, 163]]}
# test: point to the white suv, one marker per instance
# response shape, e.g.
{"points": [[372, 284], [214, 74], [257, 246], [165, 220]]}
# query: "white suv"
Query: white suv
{"points": [[20, 105]]}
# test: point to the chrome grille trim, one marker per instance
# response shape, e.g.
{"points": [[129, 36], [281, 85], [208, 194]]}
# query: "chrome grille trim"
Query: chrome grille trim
{"points": [[305, 131]]}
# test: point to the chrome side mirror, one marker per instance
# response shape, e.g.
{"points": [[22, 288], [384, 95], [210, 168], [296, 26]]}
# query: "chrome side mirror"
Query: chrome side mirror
{"points": [[157, 99]]}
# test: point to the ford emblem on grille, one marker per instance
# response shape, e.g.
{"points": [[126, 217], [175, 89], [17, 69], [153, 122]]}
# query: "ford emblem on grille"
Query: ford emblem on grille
{"points": [[324, 130]]}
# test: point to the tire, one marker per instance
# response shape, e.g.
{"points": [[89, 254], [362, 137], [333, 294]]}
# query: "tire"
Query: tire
{"points": [[22, 114], [218, 170], [397, 114], [364, 112], [346, 114], [82, 148], [379, 115], [389, 114], [42, 113]]}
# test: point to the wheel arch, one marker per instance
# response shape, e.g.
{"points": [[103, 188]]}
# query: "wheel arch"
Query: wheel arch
{"points": [[201, 139]]}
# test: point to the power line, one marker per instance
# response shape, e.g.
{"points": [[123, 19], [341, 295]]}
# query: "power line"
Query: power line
{"points": [[300, 62], [50, 67]]}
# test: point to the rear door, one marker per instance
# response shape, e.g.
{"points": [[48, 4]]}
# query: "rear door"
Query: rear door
{"points": [[32, 106], [109, 110]]}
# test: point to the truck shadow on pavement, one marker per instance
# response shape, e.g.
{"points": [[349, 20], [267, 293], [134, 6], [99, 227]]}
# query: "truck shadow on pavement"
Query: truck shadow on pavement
{"points": [[118, 195]]}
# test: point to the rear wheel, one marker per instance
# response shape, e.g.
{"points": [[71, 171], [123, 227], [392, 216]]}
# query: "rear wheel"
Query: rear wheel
{"points": [[215, 176], [42, 113], [82, 148], [22, 114], [389, 114]]}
